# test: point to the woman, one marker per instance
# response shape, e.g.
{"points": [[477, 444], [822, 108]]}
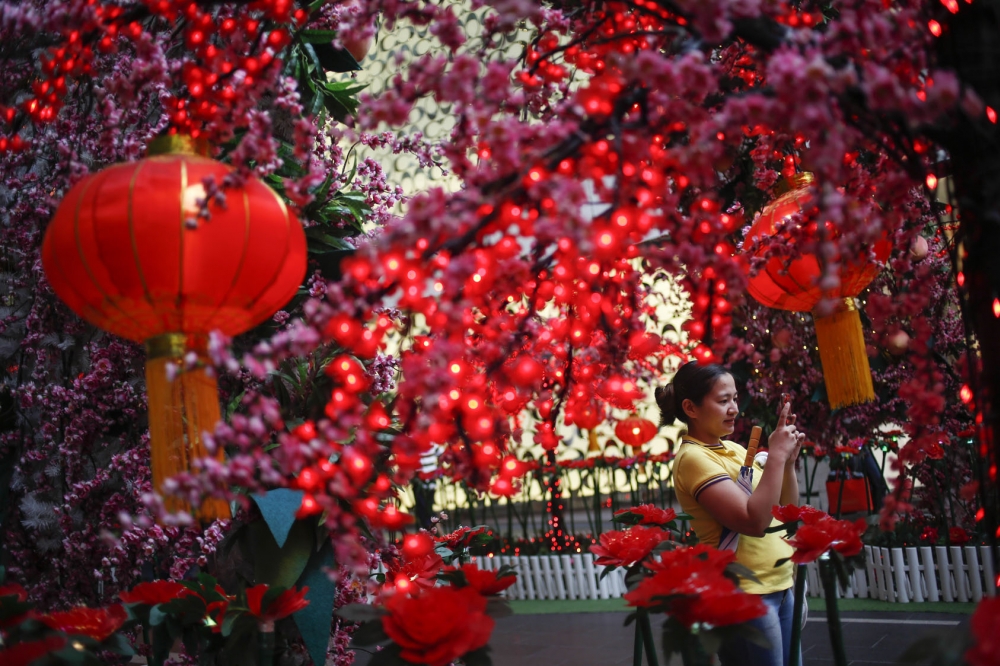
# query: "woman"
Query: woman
{"points": [[706, 467]]}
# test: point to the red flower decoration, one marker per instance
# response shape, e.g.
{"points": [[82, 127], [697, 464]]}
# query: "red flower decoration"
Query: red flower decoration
{"points": [[288, 602], [217, 611], [21, 595], [98, 623], [24, 654], [420, 572], [985, 626], [958, 536], [14, 590], [623, 549], [929, 534], [460, 537], [649, 514], [156, 592], [438, 626], [789, 513], [812, 540], [705, 595], [486, 582]]}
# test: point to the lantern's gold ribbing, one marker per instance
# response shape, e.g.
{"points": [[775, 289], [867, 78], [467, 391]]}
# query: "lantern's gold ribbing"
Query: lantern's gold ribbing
{"points": [[177, 144]]}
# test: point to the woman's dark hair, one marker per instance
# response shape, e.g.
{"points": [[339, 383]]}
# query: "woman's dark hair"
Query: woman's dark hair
{"points": [[692, 382]]}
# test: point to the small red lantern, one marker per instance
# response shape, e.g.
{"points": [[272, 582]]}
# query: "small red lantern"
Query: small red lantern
{"points": [[794, 286], [121, 252], [635, 431]]}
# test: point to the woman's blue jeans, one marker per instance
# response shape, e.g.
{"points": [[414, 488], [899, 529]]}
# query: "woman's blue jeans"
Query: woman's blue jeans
{"points": [[776, 626]]}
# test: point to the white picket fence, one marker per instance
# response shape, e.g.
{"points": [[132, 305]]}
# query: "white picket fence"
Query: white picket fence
{"points": [[898, 575]]}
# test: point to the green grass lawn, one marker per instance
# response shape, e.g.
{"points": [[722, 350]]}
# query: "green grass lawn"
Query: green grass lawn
{"points": [[548, 606]]}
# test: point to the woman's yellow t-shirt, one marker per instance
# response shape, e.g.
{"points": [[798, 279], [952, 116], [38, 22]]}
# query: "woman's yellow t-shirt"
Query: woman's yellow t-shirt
{"points": [[699, 466]]}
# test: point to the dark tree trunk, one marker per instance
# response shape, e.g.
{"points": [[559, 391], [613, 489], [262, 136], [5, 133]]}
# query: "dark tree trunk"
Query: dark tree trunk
{"points": [[971, 46]]}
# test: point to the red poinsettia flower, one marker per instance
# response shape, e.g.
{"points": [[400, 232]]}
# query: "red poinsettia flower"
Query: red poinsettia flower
{"points": [[18, 594], [930, 534], [789, 513], [625, 548], [985, 626], [700, 593], [156, 592], [98, 623], [486, 582], [217, 612], [958, 536], [439, 625], [460, 537], [843, 536], [649, 514], [701, 557], [14, 590], [418, 573], [288, 602], [720, 604], [24, 654]]}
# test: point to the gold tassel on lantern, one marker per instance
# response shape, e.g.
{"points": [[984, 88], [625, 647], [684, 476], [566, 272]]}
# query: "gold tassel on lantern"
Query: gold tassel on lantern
{"points": [[842, 352], [594, 447], [180, 410]]}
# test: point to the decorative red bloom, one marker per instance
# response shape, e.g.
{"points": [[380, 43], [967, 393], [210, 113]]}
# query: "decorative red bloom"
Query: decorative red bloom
{"points": [[958, 536], [985, 626], [460, 537], [156, 592], [420, 571], [14, 590], [486, 582], [649, 514], [929, 534], [625, 548], [23, 654], [439, 625], [812, 540], [98, 623], [789, 513], [288, 602], [705, 595], [217, 611]]}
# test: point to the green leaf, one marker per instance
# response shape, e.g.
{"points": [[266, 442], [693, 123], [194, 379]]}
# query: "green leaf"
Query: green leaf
{"points": [[369, 633], [335, 60], [742, 571], [156, 616], [118, 644], [361, 613], [607, 570], [283, 567]]}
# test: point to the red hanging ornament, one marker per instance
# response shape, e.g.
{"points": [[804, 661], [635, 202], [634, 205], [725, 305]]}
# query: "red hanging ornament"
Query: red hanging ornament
{"points": [[794, 285], [125, 253], [635, 431]]}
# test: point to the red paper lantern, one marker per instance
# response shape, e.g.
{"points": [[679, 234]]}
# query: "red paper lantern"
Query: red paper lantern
{"points": [[635, 431], [794, 285], [122, 252]]}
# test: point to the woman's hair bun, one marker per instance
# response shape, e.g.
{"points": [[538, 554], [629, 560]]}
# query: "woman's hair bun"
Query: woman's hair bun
{"points": [[665, 400]]}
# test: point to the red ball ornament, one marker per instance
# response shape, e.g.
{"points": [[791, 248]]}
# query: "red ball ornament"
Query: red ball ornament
{"points": [[125, 252], [635, 430]]}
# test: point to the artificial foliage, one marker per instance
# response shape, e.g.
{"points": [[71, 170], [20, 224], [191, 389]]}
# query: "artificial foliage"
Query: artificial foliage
{"points": [[505, 295]]}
